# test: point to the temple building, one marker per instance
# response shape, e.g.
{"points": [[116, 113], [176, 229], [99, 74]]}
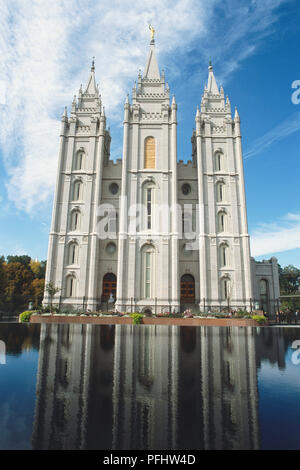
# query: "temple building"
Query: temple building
{"points": [[149, 232]]}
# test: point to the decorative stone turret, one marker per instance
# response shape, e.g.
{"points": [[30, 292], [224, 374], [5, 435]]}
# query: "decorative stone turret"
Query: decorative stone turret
{"points": [[84, 146]]}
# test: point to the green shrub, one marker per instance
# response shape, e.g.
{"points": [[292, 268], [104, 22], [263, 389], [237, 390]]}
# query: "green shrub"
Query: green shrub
{"points": [[259, 318], [240, 313], [25, 316], [137, 318], [47, 309]]}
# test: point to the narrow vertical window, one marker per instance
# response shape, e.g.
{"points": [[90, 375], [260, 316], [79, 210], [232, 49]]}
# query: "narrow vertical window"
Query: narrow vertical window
{"points": [[149, 161], [148, 198], [225, 289], [71, 286], [148, 275], [80, 160], [149, 203], [222, 222], [218, 162], [75, 220], [147, 270], [77, 193], [73, 251], [220, 192], [224, 255]]}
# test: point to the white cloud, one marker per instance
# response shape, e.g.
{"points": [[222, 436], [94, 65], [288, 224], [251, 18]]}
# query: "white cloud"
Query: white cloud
{"points": [[46, 48], [279, 132], [280, 236]]}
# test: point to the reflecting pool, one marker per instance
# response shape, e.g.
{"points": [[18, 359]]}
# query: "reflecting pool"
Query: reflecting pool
{"points": [[71, 386]]}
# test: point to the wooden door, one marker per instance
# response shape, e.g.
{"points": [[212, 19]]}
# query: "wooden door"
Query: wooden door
{"points": [[187, 288], [109, 286]]}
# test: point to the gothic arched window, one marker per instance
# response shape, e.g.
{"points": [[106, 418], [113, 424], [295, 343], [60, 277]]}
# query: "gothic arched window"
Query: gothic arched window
{"points": [[80, 160], [225, 288], [148, 253], [77, 191], [148, 202], [75, 220], [224, 255], [218, 161], [73, 253], [222, 222], [220, 191], [149, 152], [71, 286]]}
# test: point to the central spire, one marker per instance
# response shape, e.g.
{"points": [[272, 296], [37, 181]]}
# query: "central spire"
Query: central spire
{"points": [[151, 69]]}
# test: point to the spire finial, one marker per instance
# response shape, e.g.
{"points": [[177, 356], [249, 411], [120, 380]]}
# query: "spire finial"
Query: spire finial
{"points": [[210, 64], [93, 64], [152, 30]]}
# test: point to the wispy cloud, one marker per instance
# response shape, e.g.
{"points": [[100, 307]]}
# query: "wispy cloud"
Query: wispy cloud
{"points": [[279, 132], [46, 48], [277, 237]]}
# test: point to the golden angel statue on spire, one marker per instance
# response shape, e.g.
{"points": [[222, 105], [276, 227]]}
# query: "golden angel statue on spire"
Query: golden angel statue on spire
{"points": [[152, 31]]}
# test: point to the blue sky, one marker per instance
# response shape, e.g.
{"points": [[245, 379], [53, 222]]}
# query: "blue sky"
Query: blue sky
{"points": [[46, 51]]}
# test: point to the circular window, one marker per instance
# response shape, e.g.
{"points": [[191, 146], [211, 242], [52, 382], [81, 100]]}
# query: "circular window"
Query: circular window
{"points": [[114, 188], [186, 189], [110, 248]]}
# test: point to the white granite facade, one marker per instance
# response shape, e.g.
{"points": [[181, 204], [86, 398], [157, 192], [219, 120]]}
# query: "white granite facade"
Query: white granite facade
{"points": [[190, 244]]}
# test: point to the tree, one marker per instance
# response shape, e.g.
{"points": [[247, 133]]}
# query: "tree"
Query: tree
{"points": [[38, 286], [52, 290], [23, 259], [289, 279], [2, 283], [38, 268], [21, 280], [18, 288]]}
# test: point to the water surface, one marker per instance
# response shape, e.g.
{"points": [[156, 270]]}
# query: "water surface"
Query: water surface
{"points": [[148, 387]]}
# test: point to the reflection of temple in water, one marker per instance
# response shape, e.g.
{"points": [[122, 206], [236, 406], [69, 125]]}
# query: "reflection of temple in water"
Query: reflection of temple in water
{"points": [[149, 387]]}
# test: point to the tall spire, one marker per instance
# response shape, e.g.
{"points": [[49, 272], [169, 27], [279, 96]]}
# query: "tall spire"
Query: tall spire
{"points": [[212, 86], [91, 88], [151, 69]]}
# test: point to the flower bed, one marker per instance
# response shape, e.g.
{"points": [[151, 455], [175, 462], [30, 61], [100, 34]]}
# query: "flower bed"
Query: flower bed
{"points": [[127, 320]]}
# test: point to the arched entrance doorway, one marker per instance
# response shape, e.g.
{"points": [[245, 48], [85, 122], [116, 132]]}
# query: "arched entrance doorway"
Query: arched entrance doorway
{"points": [[187, 289], [109, 286]]}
